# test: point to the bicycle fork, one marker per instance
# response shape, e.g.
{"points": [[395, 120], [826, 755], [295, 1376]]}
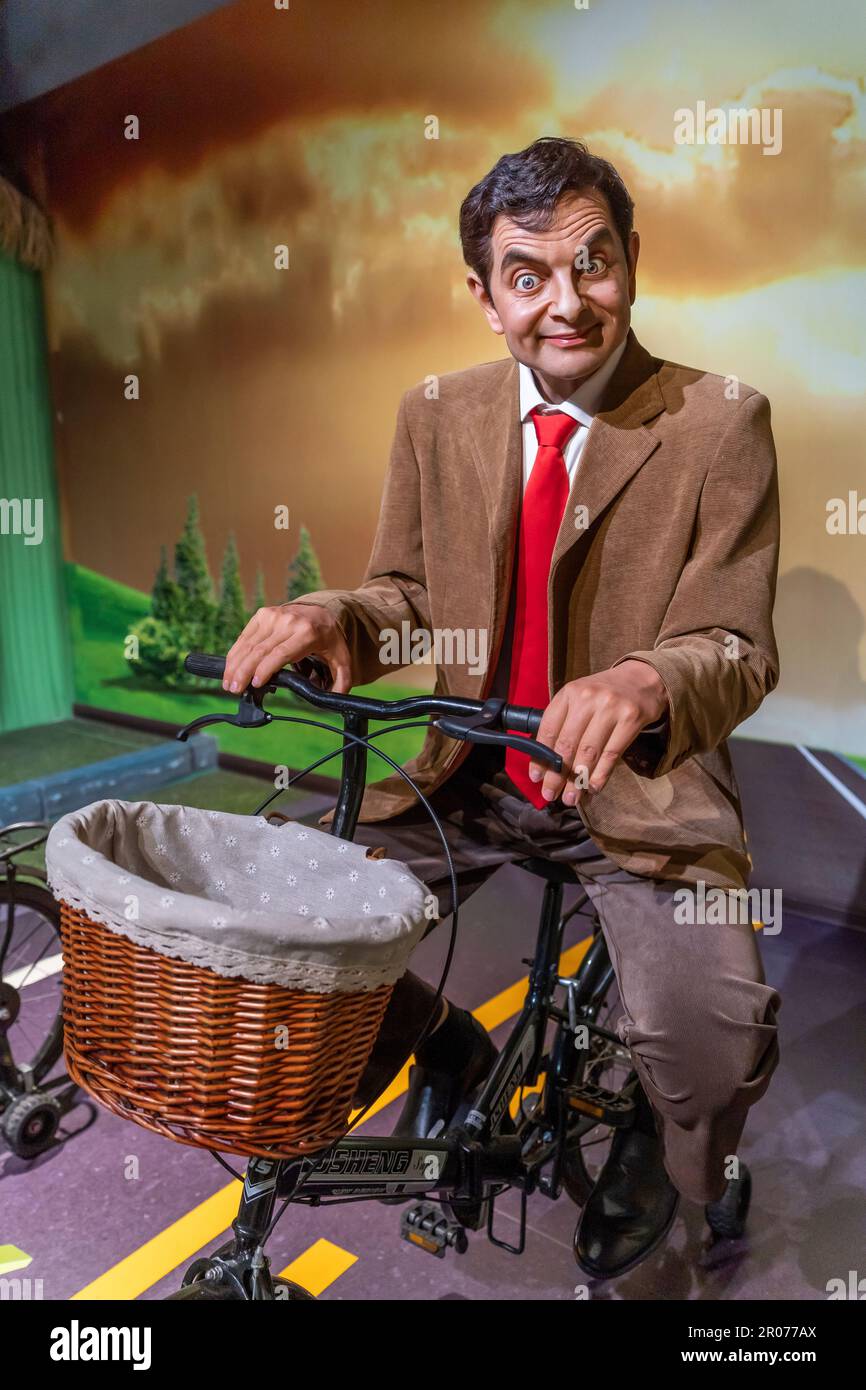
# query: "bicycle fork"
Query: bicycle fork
{"points": [[241, 1269]]}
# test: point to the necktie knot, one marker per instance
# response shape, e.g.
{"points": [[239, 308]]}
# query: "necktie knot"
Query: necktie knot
{"points": [[553, 427]]}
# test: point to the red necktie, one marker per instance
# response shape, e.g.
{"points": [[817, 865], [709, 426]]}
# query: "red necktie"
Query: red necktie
{"points": [[540, 519]]}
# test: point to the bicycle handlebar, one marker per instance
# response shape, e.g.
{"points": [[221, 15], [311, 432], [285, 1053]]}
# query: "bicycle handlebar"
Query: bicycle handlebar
{"points": [[522, 719]]}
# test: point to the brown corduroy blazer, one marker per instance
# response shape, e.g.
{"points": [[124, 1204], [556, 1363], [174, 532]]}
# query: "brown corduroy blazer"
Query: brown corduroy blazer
{"points": [[673, 562]]}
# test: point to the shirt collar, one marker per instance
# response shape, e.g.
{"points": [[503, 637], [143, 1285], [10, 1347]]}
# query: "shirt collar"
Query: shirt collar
{"points": [[583, 404]]}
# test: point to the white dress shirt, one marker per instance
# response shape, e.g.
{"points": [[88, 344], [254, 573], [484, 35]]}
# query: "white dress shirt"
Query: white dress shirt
{"points": [[583, 405]]}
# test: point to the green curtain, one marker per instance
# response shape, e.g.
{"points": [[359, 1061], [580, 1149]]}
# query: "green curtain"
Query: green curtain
{"points": [[35, 649]]}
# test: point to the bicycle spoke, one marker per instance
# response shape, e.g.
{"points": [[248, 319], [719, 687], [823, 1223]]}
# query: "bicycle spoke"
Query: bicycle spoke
{"points": [[40, 921], [29, 968], [31, 965]]}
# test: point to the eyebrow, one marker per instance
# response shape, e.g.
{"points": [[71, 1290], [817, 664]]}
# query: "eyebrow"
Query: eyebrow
{"points": [[518, 256]]}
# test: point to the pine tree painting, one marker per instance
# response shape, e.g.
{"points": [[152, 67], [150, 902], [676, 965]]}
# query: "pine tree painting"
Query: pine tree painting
{"points": [[231, 614], [305, 576], [184, 615], [165, 596], [198, 610], [259, 598]]}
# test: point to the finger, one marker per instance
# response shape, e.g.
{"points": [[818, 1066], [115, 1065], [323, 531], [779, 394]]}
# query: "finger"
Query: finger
{"points": [[621, 738], [576, 784], [628, 726], [612, 746], [271, 656], [548, 731], [248, 660], [591, 745], [250, 635], [566, 745], [341, 675]]}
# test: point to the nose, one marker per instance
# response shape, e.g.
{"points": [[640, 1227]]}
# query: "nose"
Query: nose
{"points": [[564, 302]]}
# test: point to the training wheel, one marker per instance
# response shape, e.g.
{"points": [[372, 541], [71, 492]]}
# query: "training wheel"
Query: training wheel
{"points": [[30, 1124]]}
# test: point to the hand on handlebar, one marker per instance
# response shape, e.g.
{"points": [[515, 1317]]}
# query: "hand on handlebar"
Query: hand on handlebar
{"points": [[591, 722], [276, 636]]}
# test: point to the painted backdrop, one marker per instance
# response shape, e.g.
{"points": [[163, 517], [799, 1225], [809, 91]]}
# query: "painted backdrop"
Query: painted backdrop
{"points": [[261, 388]]}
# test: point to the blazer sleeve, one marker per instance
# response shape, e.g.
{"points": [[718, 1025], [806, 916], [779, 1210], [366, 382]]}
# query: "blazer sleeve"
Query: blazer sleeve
{"points": [[716, 650], [394, 586]]}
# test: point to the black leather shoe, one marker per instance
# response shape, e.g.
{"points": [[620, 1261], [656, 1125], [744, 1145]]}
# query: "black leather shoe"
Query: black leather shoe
{"points": [[633, 1204], [434, 1097]]}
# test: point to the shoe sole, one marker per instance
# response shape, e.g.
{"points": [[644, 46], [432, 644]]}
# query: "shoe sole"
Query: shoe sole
{"points": [[638, 1259]]}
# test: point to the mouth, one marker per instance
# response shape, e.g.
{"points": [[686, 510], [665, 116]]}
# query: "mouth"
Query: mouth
{"points": [[573, 338]]}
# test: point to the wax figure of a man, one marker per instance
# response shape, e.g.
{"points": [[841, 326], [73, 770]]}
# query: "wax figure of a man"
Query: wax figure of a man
{"points": [[611, 520]]}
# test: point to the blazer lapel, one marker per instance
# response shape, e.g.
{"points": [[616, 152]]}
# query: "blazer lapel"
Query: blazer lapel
{"points": [[496, 444], [617, 445], [495, 441]]}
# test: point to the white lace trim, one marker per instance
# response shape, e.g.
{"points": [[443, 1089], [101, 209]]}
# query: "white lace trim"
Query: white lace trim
{"points": [[313, 976]]}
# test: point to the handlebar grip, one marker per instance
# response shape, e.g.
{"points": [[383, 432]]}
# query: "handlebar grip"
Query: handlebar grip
{"points": [[522, 719], [200, 664]]}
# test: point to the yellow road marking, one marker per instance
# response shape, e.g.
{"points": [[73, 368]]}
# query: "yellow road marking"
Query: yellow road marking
{"points": [[12, 1257], [184, 1238], [319, 1266], [179, 1242]]}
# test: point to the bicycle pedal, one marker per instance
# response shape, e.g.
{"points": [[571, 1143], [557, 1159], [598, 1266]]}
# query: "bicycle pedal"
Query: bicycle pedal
{"points": [[426, 1226], [607, 1107]]}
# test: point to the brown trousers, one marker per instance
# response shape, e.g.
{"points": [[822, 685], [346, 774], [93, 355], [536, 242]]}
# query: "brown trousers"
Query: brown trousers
{"points": [[698, 1016]]}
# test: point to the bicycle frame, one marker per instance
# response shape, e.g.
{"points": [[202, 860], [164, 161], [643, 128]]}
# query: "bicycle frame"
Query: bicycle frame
{"points": [[472, 1161]]}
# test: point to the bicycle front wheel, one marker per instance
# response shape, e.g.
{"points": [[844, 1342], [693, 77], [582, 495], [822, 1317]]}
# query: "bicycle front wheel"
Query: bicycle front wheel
{"points": [[31, 973]]}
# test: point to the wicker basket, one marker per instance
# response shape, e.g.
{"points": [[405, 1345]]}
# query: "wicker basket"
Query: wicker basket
{"points": [[194, 1056]]}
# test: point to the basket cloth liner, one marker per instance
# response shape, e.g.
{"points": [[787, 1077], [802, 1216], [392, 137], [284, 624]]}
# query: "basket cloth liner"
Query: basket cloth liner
{"points": [[288, 905]]}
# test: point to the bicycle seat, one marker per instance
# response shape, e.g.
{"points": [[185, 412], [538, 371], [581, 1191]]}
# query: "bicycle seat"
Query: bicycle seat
{"points": [[549, 870]]}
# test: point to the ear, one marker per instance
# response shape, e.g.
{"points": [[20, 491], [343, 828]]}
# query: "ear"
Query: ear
{"points": [[477, 290], [633, 253]]}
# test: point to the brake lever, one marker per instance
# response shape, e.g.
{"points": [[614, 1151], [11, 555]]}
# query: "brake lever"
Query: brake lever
{"points": [[250, 715], [474, 731]]}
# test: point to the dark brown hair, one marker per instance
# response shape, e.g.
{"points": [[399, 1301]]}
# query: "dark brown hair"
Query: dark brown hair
{"points": [[527, 186]]}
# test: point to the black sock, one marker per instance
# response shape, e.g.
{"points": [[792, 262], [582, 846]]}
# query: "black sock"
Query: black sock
{"points": [[451, 1046]]}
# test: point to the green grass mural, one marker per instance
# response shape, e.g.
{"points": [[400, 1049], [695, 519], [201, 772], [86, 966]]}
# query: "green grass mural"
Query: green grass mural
{"points": [[104, 612]]}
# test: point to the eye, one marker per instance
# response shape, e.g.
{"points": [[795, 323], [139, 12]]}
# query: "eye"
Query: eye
{"points": [[592, 265], [527, 281]]}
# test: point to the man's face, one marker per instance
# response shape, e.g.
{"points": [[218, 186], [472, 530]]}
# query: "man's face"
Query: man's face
{"points": [[561, 297]]}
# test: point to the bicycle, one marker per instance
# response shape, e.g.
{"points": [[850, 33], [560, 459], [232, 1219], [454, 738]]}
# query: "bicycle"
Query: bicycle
{"points": [[32, 1102], [542, 1146]]}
